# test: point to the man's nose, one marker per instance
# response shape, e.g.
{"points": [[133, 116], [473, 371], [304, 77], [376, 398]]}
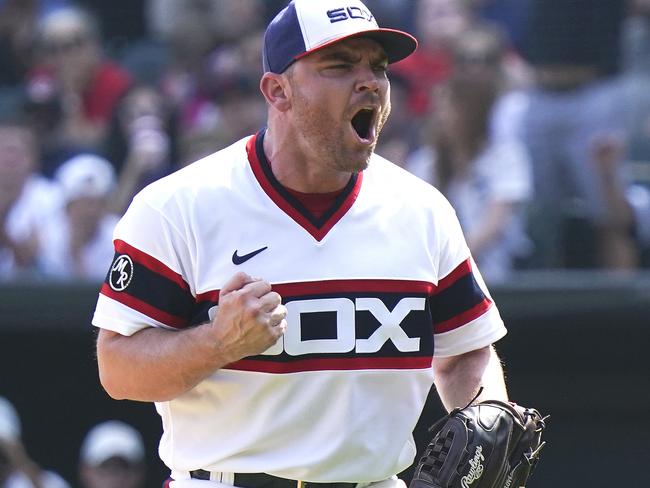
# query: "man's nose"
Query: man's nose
{"points": [[368, 80]]}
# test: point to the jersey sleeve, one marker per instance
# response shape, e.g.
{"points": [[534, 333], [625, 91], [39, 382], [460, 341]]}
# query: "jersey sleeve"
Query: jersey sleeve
{"points": [[147, 283], [465, 317]]}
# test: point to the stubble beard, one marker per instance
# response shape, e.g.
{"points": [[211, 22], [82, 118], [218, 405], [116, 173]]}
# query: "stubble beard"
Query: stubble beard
{"points": [[326, 136]]}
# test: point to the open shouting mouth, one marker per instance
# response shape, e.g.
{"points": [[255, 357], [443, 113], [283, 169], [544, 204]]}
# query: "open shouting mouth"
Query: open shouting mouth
{"points": [[364, 124]]}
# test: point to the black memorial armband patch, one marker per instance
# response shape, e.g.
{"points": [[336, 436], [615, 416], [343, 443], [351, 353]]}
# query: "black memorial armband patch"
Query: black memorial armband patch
{"points": [[146, 285]]}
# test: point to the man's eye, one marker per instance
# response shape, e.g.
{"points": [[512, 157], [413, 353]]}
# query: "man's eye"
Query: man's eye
{"points": [[381, 68], [339, 66]]}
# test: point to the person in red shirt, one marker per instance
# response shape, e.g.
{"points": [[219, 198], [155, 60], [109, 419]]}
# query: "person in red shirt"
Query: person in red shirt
{"points": [[438, 24], [74, 69]]}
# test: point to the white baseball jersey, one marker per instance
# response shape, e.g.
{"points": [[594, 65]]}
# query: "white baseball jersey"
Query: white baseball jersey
{"points": [[373, 289]]}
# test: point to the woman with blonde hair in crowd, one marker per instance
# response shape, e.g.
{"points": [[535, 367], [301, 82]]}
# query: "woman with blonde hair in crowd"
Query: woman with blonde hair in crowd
{"points": [[487, 181]]}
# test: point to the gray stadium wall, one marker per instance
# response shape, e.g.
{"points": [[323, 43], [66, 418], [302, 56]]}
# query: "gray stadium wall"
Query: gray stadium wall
{"points": [[576, 349]]}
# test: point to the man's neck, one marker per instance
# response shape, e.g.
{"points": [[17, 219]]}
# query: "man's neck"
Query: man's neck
{"points": [[295, 170]]}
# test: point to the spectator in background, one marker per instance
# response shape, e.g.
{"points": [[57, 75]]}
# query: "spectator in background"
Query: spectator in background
{"points": [[112, 456], [74, 70], [222, 20], [142, 142], [636, 76], [638, 197], [17, 469], [18, 25], [483, 52], [487, 182], [485, 49], [438, 24], [402, 132], [188, 28], [78, 239], [511, 15], [27, 200], [621, 250], [194, 29], [636, 38], [17, 32], [225, 104], [576, 103], [637, 80], [215, 68]]}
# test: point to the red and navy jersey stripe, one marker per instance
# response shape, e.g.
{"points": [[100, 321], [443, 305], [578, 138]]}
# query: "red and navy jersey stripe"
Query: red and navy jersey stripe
{"points": [[154, 290], [162, 294], [458, 299]]}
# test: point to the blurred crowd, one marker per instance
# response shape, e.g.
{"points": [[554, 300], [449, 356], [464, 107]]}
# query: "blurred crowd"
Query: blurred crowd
{"points": [[112, 455], [531, 116]]}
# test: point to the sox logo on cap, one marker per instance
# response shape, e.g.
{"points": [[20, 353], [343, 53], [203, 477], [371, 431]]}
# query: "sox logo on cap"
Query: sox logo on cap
{"points": [[306, 25]]}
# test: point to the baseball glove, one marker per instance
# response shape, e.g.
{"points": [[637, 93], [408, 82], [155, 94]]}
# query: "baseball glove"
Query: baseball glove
{"points": [[492, 444]]}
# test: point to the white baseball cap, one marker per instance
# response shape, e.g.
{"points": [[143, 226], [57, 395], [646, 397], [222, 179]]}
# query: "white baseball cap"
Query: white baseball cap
{"points": [[305, 26], [9, 422], [112, 439], [85, 175]]}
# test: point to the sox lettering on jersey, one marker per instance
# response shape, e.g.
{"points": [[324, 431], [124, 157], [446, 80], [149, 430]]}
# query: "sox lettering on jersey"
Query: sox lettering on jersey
{"points": [[346, 341]]}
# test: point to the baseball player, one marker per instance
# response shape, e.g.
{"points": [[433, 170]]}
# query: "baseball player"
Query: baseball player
{"points": [[288, 302]]}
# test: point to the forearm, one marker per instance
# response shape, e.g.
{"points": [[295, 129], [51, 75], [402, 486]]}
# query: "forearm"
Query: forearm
{"points": [[459, 378], [156, 364]]}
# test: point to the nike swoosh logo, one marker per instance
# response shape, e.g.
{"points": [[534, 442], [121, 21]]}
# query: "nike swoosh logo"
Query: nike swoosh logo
{"points": [[237, 259]]}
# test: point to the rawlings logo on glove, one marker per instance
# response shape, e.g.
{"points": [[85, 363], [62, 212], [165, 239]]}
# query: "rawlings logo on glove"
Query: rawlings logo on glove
{"points": [[475, 470], [492, 444]]}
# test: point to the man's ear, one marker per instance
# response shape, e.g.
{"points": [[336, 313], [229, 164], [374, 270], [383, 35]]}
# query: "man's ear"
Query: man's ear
{"points": [[277, 91]]}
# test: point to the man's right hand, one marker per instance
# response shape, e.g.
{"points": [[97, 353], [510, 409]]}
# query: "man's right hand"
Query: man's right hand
{"points": [[250, 317], [157, 364]]}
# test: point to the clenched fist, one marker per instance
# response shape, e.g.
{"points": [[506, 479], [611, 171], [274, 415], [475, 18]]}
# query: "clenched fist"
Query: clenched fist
{"points": [[250, 317]]}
